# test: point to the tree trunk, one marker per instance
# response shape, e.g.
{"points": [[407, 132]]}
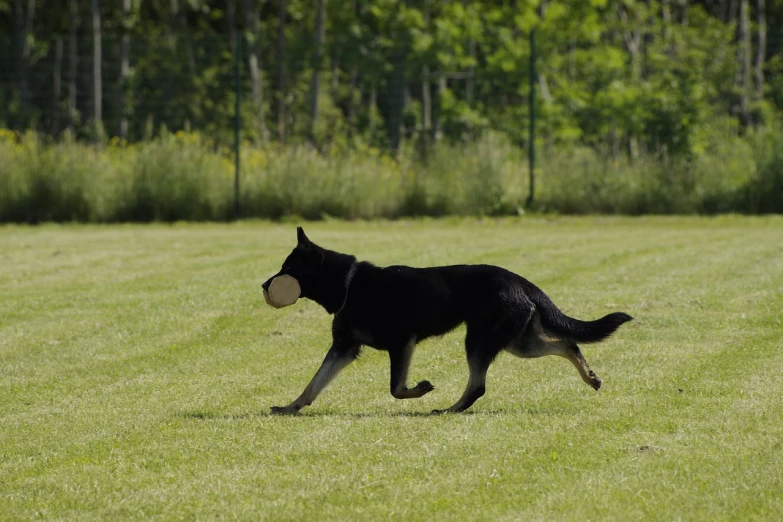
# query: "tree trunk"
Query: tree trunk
{"points": [[97, 83], [571, 64], [437, 125], [231, 19], [396, 98], [168, 89], [179, 32], [317, 63], [28, 30], [426, 104], [73, 62], [761, 18], [632, 33], [743, 36], [254, 64], [667, 21], [23, 28], [395, 94], [281, 72], [334, 87], [57, 82], [352, 102], [426, 100], [372, 109], [124, 68], [730, 13], [470, 81], [19, 41], [355, 80], [543, 85]]}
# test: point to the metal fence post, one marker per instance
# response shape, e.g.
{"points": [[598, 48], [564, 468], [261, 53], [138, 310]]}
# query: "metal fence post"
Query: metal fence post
{"points": [[532, 134], [237, 120]]}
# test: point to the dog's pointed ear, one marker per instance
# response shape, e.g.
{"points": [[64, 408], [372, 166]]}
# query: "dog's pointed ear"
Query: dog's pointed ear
{"points": [[301, 238]]}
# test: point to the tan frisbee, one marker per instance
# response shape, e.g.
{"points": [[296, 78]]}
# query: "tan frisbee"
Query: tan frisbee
{"points": [[284, 291]]}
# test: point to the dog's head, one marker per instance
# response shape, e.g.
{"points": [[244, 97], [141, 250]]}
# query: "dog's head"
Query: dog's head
{"points": [[304, 263]]}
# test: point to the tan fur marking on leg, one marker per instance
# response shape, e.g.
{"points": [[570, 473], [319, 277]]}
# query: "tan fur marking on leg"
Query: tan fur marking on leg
{"points": [[331, 366], [538, 342]]}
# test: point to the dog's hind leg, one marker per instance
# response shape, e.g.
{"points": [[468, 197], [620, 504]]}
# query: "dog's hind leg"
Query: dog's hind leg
{"points": [[484, 340], [537, 342], [338, 357], [400, 360], [475, 389], [574, 354], [482, 348]]}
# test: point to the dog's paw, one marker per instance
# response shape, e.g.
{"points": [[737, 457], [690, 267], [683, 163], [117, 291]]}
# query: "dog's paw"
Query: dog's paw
{"points": [[283, 410], [595, 381], [425, 387]]}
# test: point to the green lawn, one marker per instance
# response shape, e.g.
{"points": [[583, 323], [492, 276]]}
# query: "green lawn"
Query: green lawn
{"points": [[138, 364]]}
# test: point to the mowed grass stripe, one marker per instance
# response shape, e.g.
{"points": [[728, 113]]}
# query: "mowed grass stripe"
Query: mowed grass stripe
{"points": [[711, 373], [172, 423]]}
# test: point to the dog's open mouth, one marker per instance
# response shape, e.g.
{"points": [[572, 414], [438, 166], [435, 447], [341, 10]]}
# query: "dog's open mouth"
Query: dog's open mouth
{"points": [[283, 291]]}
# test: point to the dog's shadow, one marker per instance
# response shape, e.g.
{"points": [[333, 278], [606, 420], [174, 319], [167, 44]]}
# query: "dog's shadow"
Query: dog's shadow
{"points": [[204, 415], [210, 415]]}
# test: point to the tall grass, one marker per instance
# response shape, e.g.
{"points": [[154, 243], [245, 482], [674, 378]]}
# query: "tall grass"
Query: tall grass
{"points": [[725, 173], [762, 192], [184, 177]]}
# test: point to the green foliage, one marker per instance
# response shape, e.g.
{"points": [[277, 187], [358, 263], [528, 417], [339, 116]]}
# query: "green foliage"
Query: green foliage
{"points": [[625, 77]]}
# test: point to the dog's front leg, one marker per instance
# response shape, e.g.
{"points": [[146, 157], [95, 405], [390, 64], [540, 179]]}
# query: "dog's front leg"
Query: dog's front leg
{"points": [[400, 360], [339, 356]]}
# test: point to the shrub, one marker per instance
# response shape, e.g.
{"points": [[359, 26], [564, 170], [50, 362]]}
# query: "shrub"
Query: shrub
{"points": [[185, 177]]}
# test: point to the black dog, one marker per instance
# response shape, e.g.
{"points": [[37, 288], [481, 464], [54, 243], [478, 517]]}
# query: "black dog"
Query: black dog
{"points": [[394, 308]]}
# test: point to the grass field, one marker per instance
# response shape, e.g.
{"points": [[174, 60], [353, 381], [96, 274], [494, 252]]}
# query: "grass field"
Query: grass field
{"points": [[138, 364]]}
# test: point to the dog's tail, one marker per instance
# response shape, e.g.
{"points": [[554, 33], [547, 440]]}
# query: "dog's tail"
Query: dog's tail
{"points": [[579, 331]]}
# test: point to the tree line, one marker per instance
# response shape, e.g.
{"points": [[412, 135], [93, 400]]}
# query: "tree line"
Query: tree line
{"points": [[628, 77]]}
